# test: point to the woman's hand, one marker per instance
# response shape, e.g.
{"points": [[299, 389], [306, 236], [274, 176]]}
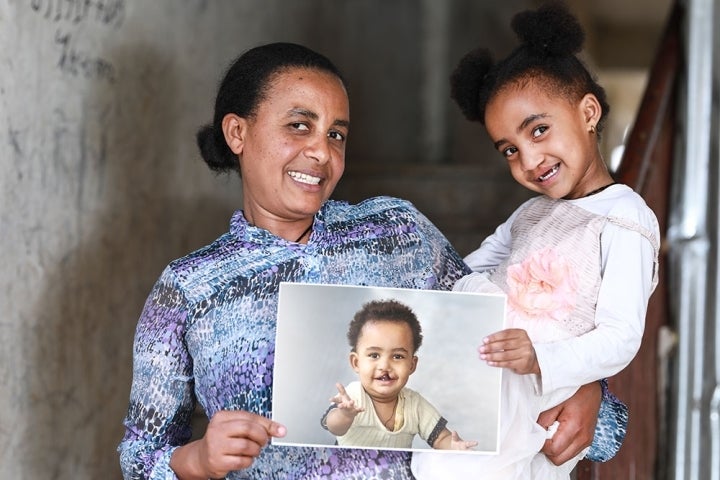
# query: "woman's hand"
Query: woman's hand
{"points": [[510, 348], [232, 441], [577, 416]]}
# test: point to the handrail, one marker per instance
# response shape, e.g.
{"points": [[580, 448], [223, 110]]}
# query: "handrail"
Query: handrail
{"points": [[646, 166]]}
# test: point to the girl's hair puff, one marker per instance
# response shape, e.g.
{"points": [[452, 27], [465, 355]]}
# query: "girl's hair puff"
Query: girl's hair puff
{"points": [[551, 37]]}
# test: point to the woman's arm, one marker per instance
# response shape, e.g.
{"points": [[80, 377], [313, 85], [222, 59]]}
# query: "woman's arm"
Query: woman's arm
{"points": [[161, 399]]}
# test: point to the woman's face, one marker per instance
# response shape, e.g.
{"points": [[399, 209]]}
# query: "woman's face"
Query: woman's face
{"points": [[292, 152], [384, 358], [546, 140]]}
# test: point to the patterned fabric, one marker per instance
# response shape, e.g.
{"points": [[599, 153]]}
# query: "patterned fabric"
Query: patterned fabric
{"points": [[418, 416], [611, 430], [207, 331]]}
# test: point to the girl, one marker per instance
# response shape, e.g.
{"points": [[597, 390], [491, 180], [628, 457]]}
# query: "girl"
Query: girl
{"points": [[578, 262]]}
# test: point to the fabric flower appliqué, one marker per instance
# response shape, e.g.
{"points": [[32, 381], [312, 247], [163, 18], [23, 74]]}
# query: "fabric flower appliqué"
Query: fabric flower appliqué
{"points": [[543, 286]]}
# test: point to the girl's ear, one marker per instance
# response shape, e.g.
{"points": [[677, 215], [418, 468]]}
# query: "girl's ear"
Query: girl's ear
{"points": [[591, 110], [234, 128]]}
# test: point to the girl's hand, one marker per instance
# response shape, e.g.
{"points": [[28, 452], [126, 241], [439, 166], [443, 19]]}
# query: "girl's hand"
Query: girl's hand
{"points": [[344, 403], [510, 348], [232, 441]]}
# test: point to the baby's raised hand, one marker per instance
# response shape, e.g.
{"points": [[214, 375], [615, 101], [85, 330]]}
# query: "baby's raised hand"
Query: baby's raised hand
{"points": [[346, 404], [510, 348], [457, 443]]}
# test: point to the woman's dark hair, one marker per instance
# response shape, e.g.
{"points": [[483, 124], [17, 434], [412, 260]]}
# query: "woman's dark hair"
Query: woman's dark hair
{"points": [[551, 37], [386, 311], [245, 85]]}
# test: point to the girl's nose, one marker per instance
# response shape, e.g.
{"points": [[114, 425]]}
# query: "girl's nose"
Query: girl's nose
{"points": [[530, 160]]}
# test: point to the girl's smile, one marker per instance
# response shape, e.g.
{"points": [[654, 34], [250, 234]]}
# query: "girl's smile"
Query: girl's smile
{"points": [[548, 143]]}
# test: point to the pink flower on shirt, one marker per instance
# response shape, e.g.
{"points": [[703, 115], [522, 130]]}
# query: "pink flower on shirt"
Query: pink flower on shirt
{"points": [[542, 286]]}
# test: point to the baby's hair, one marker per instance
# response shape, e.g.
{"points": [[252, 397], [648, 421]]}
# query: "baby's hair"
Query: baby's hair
{"points": [[386, 311], [551, 37]]}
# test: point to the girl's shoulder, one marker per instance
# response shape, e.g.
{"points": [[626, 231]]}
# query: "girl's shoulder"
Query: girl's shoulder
{"points": [[620, 202]]}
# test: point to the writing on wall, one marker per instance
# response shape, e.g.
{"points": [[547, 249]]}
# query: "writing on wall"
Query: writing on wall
{"points": [[70, 17]]}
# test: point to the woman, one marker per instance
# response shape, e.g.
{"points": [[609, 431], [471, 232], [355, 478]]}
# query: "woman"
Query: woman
{"points": [[206, 333]]}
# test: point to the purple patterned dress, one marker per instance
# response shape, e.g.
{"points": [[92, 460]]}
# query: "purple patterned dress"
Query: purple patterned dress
{"points": [[207, 331]]}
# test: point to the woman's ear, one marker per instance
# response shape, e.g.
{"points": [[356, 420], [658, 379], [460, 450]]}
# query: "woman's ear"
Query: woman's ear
{"points": [[234, 128], [591, 110]]}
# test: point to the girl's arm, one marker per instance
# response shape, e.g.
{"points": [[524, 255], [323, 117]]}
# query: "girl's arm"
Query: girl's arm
{"points": [[629, 270]]}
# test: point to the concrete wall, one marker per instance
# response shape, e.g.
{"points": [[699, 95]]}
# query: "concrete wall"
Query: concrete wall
{"points": [[101, 185]]}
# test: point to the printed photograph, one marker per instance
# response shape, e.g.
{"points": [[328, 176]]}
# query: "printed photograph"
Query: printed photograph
{"points": [[386, 368]]}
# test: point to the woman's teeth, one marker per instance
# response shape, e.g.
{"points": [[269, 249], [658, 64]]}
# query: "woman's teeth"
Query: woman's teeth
{"points": [[549, 173], [304, 178]]}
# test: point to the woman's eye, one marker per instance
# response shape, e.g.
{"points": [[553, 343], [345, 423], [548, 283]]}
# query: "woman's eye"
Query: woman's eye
{"points": [[300, 126], [339, 136], [539, 130]]}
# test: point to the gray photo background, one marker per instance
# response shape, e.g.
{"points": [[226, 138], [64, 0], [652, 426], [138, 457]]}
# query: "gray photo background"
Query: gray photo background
{"points": [[312, 355]]}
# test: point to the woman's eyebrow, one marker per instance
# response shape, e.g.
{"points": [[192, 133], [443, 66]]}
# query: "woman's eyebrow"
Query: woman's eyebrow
{"points": [[304, 112]]}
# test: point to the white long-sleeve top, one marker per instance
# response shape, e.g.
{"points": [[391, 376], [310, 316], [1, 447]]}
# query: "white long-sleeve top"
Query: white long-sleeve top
{"points": [[628, 267]]}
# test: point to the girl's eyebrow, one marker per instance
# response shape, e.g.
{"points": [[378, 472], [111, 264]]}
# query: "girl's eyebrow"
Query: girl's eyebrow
{"points": [[527, 121]]}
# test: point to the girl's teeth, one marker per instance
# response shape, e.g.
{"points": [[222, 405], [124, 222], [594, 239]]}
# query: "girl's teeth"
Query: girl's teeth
{"points": [[549, 174]]}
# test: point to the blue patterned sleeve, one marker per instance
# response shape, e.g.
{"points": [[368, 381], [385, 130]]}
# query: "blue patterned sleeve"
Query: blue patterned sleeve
{"points": [[161, 398], [611, 427], [448, 265]]}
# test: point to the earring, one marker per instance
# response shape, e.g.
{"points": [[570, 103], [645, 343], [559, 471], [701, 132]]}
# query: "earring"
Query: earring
{"points": [[592, 130]]}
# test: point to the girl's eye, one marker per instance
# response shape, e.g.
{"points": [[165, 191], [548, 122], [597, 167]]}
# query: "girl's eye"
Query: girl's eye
{"points": [[508, 152], [538, 131], [374, 355], [398, 356]]}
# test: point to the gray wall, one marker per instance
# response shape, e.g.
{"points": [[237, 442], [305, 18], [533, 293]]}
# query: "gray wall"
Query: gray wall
{"points": [[101, 184]]}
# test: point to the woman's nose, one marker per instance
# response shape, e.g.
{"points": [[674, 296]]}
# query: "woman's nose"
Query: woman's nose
{"points": [[318, 149]]}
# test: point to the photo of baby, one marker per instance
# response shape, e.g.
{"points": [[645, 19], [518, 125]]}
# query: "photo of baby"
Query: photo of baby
{"points": [[349, 372], [379, 410]]}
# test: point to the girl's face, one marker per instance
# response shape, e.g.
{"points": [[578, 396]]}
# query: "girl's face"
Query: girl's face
{"points": [[383, 358], [292, 152], [546, 140]]}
